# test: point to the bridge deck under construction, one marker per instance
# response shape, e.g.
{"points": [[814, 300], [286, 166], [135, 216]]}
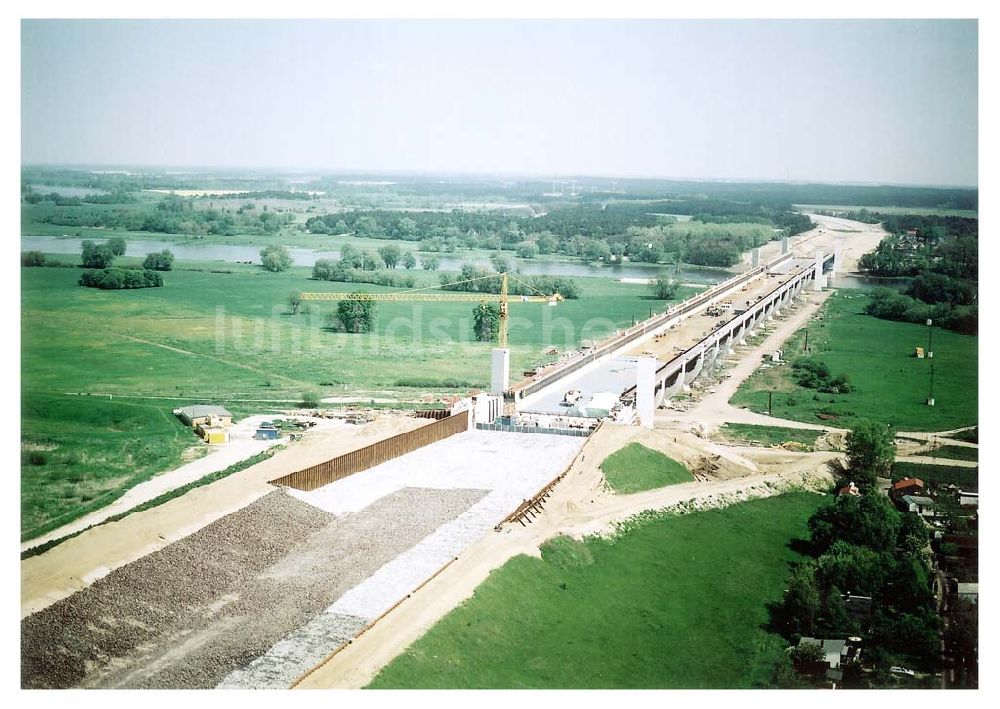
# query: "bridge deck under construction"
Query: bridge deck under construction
{"points": [[615, 375]]}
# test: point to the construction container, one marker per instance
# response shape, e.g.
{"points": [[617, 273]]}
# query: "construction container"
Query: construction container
{"points": [[267, 433]]}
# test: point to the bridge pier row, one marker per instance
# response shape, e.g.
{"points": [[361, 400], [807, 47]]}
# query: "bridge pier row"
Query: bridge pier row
{"points": [[690, 376]]}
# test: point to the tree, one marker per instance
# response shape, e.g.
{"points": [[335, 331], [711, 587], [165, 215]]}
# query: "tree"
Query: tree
{"points": [[163, 261], [808, 655], [547, 243], [294, 301], [527, 250], [486, 321], [595, 250], [326, 269], [664, 288], [835, 619], [913, 536], [356, 313], [275, 258], [408, 260], [351, 257], [429, 263], [94, 256], [870, 521], [802, 600], [368, 261], [117, 245], [32, 258], [871, 449], [390, 254], [120, 278], [501, 264], [310, 399]]}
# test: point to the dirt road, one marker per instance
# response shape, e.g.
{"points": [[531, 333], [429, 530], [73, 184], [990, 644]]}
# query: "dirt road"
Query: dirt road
{"points": [[714, 408]]}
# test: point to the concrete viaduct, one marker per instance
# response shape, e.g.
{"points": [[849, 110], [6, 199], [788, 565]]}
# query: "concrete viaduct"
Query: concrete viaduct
{"points": [[677, 373]]}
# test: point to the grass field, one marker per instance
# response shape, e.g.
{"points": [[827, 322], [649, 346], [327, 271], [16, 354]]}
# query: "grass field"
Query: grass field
{"points": [[80, 453], [955, 453], [967, 478], [768, 435], [675, 602], [228, 338], [635, 468], [891, 385]]}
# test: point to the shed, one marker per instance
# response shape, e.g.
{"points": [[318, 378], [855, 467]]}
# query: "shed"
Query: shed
{"points": [[968, 499], [204, 414], [214, 434], [267, 432], [923, 506]]}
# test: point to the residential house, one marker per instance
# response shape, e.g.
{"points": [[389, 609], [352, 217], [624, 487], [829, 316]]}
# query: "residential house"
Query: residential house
{"points": [[923, 506]]}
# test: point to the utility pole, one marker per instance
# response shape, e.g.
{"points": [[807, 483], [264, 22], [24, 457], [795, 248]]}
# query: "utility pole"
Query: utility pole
{"points": [[930, 336], [805, 347], [930, 391], [769, 409]]}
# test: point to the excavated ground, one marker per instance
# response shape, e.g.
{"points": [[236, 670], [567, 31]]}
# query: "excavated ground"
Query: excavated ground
{"points": [[197, 610]]}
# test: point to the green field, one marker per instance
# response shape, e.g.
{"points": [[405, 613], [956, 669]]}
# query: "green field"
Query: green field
{"points": [[79, 454], [955, 453], [227, 337], [768, 435], [635, 468], [891, 385], [968, 478], [675, 602]]}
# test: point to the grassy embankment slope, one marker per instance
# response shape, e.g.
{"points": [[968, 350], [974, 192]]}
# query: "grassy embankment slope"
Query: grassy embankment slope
{"points": [[635, 468], [674, 602], [229, 338], [891, 385]]}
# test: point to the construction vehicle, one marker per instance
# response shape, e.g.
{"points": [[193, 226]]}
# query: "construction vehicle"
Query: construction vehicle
{"points": [[423, 295]]}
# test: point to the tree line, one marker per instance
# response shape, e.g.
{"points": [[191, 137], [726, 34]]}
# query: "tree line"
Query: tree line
{"points": [[862, 546], [942, 256]]}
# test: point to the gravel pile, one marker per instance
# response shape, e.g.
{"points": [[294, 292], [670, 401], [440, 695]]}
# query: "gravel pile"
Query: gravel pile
{"points": [[194, 612]]}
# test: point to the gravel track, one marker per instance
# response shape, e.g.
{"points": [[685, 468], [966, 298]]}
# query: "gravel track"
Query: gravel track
{"points": [[199, 609]]}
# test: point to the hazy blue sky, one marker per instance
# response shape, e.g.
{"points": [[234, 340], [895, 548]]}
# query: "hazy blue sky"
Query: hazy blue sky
{"points": [[868, 101]]}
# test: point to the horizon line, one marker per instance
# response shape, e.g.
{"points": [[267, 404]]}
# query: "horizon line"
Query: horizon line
{"points": [[500, 173]]}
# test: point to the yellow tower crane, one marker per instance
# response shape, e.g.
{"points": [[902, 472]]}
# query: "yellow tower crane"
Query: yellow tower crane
{"points": [[424, 295]]}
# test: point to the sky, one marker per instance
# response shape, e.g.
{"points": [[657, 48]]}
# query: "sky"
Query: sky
{"points": [[882, 101]]}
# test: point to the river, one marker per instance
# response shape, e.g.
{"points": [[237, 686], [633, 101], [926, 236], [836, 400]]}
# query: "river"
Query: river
{"points": [[308, 257]]}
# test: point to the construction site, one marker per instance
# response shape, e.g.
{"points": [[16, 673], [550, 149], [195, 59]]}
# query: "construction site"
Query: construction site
{"points": [[316, 566]]}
